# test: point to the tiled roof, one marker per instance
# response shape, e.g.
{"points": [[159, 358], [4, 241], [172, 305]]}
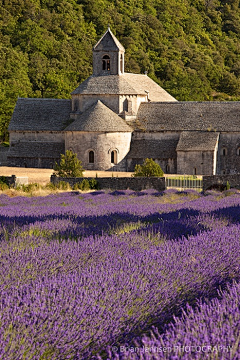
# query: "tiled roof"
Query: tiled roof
{"points": [[40, 114], [108, 42], [165, 148], [197, 140], [124, 84], [36, 149], [99, 117], [189, 115]]}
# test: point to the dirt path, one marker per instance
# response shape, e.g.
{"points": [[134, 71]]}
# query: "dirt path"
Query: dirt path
{"points": [[42, 176]]}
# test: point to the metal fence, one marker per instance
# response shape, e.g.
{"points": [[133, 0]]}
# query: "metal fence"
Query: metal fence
{"points": [[182, 183]]}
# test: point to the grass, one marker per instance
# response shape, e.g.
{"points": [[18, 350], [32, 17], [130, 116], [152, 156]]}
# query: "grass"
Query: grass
{"points": [[34, 189]]}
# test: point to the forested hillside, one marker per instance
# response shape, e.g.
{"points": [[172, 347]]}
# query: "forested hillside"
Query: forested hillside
{"points": [[190, 47]]}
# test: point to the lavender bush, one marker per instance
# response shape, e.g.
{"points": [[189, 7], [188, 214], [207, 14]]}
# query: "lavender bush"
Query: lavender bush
{"points": [[210, 331], [83, 273]]}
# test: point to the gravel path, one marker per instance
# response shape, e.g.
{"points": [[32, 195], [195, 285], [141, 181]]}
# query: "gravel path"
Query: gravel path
{"points": [[42, 176]]}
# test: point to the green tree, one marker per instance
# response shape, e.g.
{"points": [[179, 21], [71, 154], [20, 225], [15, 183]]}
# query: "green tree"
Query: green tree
{"points": [[190, 48], [69, 166], [149, 168]]}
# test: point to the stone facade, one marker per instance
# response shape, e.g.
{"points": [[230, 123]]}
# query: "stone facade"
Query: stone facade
{"points": [[36, 149], [101, 144], [228, 161], [108, 56], [115, 120]]}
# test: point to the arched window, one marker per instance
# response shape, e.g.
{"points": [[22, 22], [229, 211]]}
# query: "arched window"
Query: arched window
{"points": [[114, 157], [238, 151], [224, 151], [106, 63], [195, 171], [91, 157], [167, 169]]}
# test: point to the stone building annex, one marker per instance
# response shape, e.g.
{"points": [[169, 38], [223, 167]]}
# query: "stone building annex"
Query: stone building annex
{"points": [[115, 120]]}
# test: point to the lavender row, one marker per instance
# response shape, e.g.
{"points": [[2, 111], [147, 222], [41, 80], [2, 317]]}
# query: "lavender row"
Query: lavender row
{"points": [[72, 299], [26, 210], [208, 331], [65, 299], [77, 216]]}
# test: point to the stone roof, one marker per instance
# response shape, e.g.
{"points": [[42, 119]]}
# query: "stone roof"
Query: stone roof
{"points": [[155, 149], [99, 117], [40, 114], [198, 141], [37, 149], [189, 115], [124, 84], [108, 42]]}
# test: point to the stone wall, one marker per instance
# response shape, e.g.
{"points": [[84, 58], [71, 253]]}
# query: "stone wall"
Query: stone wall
{"points": [[35, 154], [123, 183], [27, 162], [220, 182], [3, 155], [38, 136]]}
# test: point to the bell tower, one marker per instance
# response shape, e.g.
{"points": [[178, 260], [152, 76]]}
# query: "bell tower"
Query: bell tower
{"points": [[108, 56]]}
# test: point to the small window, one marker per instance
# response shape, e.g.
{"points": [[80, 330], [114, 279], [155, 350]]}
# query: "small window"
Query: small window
{"points": [[91, 157], [224, 151], [75, 105], [125, 105], [238, 151], [121, 63], [114, 157], [106, 63], [167, 169], [195, 171]]}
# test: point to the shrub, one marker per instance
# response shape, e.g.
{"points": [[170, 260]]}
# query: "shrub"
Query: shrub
{"points": [[83, 185], [86, 184], [29, 187], [63, 185], [3, 183], [149, 168], [93, 184], [51, 186], [3, 186], [69, 166]]}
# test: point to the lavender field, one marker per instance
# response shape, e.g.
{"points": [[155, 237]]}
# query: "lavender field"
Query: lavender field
{"points": [[120, 275]]}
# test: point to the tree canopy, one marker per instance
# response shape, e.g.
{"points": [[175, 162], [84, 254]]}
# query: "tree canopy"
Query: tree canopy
{"points": [[69, 166], [189, 47], [148, 168]]}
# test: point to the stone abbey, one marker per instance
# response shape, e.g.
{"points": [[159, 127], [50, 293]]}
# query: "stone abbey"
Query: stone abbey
{"points": [[115, 120]]}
